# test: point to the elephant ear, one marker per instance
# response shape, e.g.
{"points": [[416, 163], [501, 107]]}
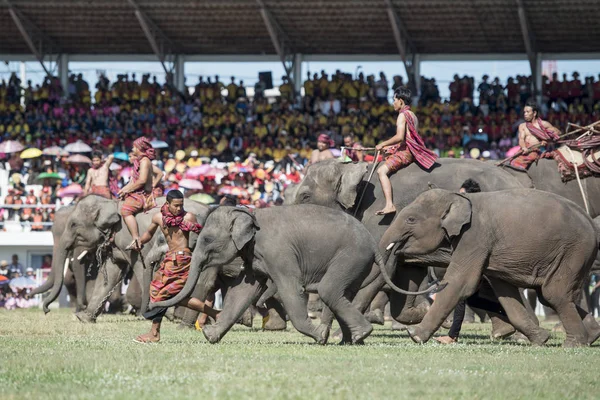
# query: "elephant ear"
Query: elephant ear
{"points": [[457, 215], [352, 175], [289, 193], [243, 227], [105, 216]]}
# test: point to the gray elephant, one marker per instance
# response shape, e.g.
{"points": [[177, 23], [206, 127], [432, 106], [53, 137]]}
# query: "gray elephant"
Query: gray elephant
{"points": [[518, 238], [339, 185], [94, 223], [298, 249]]}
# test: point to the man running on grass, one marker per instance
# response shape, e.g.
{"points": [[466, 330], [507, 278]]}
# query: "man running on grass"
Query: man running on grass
{"points": [[176, 224]]}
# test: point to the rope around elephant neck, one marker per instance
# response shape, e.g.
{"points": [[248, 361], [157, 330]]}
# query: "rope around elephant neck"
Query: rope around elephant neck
{"points": [[576, 168]]}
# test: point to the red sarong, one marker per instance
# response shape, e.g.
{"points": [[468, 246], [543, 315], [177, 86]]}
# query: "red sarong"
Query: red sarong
{"points": [[400, 158], [137, 202], [171, 276], [102, 191], [523, 161]]}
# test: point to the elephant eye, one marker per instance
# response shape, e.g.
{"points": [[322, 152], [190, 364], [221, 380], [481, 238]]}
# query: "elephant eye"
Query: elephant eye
{"points": [[209, 239], [411, 220], [305, 197]]}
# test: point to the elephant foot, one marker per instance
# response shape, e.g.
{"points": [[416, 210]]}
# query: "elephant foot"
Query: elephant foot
{"points": [[592, 328], [417, 334], [322, 334], [413, 315], [375, 317], [84, 317], [397, 326], [571, 342], [246, 319], [211, 334], [502, 332], [337, 335], [540, 338], [361, 335], [273, 322], [447, 324], [558, 328]]}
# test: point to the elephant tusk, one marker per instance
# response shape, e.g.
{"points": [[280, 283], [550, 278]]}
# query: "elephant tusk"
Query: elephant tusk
{"points": [[390, 246], [83, 253], [66, 266]]}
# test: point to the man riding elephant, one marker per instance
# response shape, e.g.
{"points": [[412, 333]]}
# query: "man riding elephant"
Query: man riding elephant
{"points": [[403, 148], [533, 133]]}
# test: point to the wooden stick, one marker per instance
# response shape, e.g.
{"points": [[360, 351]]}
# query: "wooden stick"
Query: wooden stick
{"points": [[583, 128]]}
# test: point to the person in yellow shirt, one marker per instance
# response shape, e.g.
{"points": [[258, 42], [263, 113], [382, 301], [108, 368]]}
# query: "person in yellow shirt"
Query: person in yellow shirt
{"points": [[205, 150], [309, 87], [260, 131], [280, 152], [194, 161], [286, 89], [232, 91]]}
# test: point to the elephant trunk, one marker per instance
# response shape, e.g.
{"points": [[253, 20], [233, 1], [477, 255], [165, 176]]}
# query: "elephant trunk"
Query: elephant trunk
{"points": [[195, 268], [44, 287], [59, 263], [384, 264]]}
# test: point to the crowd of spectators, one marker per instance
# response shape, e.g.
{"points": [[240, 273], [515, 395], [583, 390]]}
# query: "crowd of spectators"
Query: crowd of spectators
{"points": [[264, 142], [16, 281]]}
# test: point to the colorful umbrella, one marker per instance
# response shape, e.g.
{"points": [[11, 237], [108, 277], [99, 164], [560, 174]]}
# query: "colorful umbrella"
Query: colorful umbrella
{"points": [[126, 172], [203, 198], [512, 151], [79, 159], [22, 282], [78, 147], [238, 169], [53, 151], [121, 156], [10, 146], [190, 184], [49, 175], [195, 172], [31, 153], [114, 167], [233, 191], [159, 144], [72, 190]]}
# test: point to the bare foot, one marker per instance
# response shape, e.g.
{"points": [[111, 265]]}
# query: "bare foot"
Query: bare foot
{"points": [[148, 338], [445, 340], [386, 210], [134, 245]]}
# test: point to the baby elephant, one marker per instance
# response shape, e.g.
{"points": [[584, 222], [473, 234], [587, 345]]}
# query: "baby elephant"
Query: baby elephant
{"points": [[518, 238], [298, 249]]}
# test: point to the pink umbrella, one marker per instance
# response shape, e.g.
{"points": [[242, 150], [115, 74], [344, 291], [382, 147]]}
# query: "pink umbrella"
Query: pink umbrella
{"points": [[512, 151], [10, 146], [79, 159], [78, 147], [53, 151], [126, 172], [73, 190], [195, 172], [190, 184], [233, 191], [214, 172]]}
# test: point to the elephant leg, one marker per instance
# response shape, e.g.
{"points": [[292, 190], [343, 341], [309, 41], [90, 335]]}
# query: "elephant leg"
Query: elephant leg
{"points": [[591, 325], [520, 317], [102, 291], [245, 291], [501, 326], [276, 316], [563, 299], [376, 312], [80, 277], [295, 302], [462, 282], [204, 288], [71, 286], [408, 309], [134, 293], [355, 326], [531, 298]]}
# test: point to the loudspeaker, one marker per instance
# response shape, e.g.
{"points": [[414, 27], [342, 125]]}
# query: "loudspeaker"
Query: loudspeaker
{"points": [[267, 78]]}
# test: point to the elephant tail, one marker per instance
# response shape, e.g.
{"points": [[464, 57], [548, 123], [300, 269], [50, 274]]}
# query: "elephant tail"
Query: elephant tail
{"points": [[379, 260]]}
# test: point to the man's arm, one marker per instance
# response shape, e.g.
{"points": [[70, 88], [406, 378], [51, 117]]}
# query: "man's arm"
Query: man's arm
{"points": [[145, 170], [359, 153], [147, 236], [88, 184], [548, 125], [157, 176], [314, 157], [522, 137], [107, 162], [398, 137]]}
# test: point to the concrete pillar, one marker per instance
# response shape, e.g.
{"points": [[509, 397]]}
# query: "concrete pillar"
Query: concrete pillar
{"points": [[417, 73], [297, 73], [537, 76], [23, 78], [179, 78], [63, 72]]}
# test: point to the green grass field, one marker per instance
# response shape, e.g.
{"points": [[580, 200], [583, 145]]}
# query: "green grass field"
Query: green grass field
{"points": [[56, 357]]}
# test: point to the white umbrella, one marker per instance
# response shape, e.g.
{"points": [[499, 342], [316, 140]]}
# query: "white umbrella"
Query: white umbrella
{"points": [[78, 158], [190, 184], [78, 147], [53, 151], [159, 144], [10, 146]]}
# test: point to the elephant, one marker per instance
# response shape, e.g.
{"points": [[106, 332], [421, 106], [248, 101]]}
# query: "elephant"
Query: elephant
{"points": [[340, 185], [498, 234], [93, 223], [544, 175], [291, 251]]}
